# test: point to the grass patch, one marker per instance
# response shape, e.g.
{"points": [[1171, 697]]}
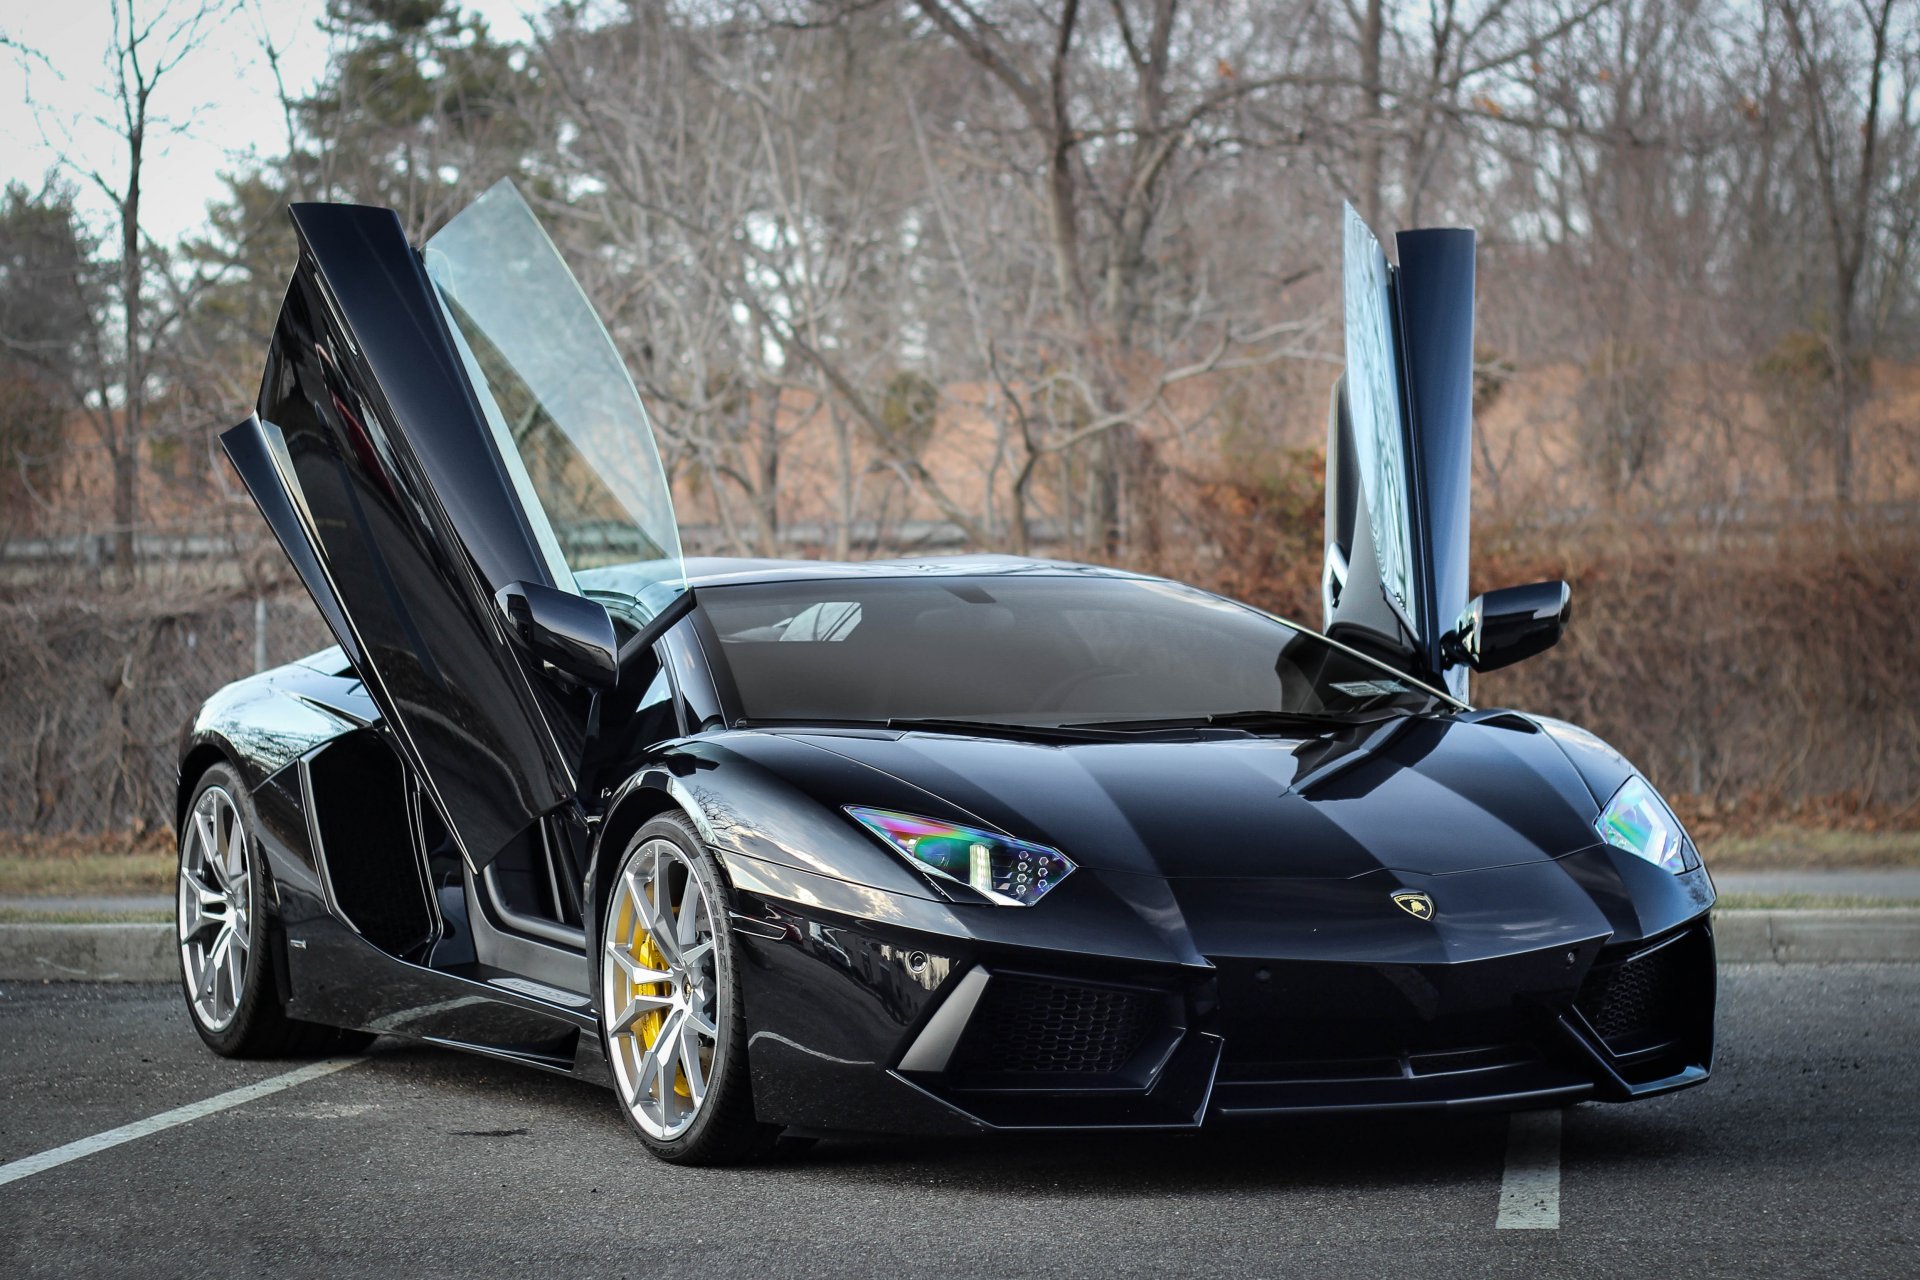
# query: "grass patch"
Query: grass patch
{"points": [[26, 915], [98, 875], [79, 866], [1803, 848], [1806, 902]]}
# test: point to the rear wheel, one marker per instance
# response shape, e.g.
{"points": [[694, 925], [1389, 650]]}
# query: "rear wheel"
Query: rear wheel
{"points": [[671, 1020], [220, 917]]}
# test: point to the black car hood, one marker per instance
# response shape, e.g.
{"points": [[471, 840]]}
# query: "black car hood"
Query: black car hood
{"points": [[1433, 795]]}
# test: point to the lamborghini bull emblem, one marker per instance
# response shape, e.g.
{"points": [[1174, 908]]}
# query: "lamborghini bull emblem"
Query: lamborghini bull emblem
{"points": [[1414, 903]]}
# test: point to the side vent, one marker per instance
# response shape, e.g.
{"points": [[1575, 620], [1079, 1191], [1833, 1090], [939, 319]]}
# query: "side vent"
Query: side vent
{"points": [[355, 793]]}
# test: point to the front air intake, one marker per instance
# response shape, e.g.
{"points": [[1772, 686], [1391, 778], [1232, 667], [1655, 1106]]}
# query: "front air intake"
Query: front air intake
{"points": [[1036, 1026], [1632, 1004]]}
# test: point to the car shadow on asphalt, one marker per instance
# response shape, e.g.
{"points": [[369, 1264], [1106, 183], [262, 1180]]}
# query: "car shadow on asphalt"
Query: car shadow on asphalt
{"points": [[1358, 1151]]}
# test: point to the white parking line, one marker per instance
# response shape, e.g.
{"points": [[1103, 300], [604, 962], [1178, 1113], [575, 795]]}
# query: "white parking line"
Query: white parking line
{"points": [[27, 1166], [1530, 1191]]}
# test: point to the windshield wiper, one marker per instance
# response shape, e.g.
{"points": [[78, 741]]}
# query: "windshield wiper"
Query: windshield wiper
{"points": [[1002, 729], [937, 724], [1249, 720]]}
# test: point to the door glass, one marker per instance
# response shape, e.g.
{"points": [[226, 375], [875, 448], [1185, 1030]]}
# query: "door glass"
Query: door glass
{"points": [[1373, 405], [572, 433]]}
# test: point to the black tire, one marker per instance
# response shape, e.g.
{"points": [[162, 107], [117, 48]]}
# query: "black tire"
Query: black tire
{"points": [[724, 1130], [259, 1026]]}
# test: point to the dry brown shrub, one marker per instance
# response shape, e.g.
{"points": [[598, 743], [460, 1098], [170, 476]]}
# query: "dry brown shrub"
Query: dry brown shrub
{"points": [[1759, 673], [97, 690]]}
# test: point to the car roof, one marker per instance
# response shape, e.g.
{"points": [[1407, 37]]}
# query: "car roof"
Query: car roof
{"points": [[712, 571]]}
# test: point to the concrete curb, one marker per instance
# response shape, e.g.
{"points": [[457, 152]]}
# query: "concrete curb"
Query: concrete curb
{"points": [[145, 952], [88, 953], [1883, 935]]}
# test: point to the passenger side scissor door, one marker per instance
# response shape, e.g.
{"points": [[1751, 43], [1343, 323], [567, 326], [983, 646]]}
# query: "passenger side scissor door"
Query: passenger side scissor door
{"points": [[1399, 450]]}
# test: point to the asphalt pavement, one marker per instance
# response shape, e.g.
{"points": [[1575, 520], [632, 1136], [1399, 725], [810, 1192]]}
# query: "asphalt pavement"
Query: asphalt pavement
{"points": [[1802, 1157]]}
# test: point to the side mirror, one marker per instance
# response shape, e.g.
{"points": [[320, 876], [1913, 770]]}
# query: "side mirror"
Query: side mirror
{"points": [[568, 632], [1501, 627]]}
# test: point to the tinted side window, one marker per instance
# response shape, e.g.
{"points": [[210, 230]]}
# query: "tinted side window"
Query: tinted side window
{"points": [[654, 717]]}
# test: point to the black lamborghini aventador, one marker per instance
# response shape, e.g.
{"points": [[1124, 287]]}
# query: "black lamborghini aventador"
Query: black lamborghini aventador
{"points": [[938, 846]]}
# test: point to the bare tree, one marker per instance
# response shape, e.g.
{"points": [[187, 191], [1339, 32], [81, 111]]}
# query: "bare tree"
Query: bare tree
{"points": [[1845, 91], [145, 51], [1115, 106]]}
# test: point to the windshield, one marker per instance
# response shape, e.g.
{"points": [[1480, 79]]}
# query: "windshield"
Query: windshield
{"points": [[1028, 651], [572, 433]]}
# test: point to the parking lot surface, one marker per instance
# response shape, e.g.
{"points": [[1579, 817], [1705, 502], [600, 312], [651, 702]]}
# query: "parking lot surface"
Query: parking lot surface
{"points": [[1801, 1157]]}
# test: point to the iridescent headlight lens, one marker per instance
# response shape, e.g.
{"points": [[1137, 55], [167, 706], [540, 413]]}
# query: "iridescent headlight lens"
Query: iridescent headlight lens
{"points": [[1637, 820], [1011, 873]]}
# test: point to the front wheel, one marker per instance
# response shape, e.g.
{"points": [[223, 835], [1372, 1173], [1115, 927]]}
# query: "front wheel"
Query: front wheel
{"points": [[221, 924], [670, 1011]]}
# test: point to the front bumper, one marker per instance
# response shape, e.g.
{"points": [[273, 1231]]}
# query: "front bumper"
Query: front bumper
{"points": [[1636, 1023], [855, 1025], [1280, 1039]]}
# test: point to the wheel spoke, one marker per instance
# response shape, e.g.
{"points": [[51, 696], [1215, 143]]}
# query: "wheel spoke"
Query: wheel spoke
{"points": [[210, 903], [687, 919], [204, 840], [642, 906], [638, 974], [231, 971], [660, 921], [666, 1050], [193, 914], [647, 1067], [635, 1007], [656, 932], [669, 1037], [691, 1069], [629, 894], [236, 852], [222, 834], [656, 1065]]}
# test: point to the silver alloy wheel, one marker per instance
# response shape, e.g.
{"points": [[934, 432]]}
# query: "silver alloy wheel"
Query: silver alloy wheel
{"points": [[659, 990], [214, 911]]}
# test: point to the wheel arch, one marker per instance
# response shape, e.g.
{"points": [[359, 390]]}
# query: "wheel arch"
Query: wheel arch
{"points": [[201, 757], [644, 797]]}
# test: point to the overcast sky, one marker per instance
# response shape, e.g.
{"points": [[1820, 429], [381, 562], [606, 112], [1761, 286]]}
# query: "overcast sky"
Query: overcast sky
{"points": [[218, 109]]}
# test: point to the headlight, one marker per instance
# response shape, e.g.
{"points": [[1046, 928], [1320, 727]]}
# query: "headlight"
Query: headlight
{"points": [[1011, 873], [1638, 820]]}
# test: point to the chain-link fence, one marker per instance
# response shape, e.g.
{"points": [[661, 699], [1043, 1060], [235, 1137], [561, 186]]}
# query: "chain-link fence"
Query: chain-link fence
{"points": [[93, 694], [1761, 676]]}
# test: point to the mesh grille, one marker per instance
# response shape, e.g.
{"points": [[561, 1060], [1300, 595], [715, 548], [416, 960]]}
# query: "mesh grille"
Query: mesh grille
{"points": [[1031, 1025], [1633, 1000]]}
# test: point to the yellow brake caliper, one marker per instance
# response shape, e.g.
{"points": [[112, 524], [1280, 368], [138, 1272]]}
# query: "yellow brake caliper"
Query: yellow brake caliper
{"points": [[648, 953]]}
